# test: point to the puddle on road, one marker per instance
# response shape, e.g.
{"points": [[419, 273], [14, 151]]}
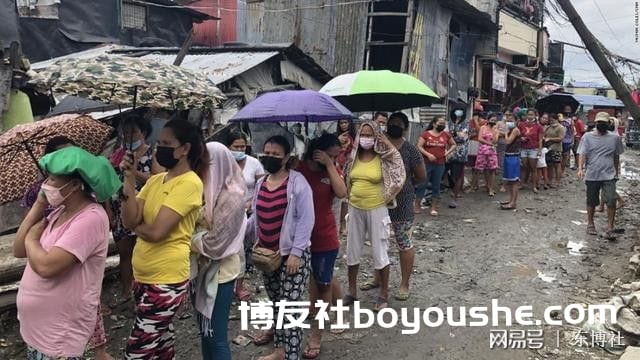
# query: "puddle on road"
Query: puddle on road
{"points": [[629, 172], [575, 247], [545, 277]]}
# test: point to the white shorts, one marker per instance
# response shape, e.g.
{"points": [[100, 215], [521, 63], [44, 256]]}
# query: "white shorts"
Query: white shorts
{"points": [[377, 225]]}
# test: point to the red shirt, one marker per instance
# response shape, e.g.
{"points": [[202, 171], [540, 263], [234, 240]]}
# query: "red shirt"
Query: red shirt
{"points": [[324, 236], [579, 129], [270, 208], [436, 146], [533, 132]]}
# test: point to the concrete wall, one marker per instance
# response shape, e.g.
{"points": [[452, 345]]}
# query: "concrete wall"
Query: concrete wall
{"points": [[517, 37]]}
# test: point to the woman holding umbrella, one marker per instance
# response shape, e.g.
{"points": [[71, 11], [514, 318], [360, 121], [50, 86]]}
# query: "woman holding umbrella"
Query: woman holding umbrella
{"points": [[65, 253]]}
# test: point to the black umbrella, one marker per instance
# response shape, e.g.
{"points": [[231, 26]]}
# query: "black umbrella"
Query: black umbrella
{"points": [[79, 105], [555, 103]]}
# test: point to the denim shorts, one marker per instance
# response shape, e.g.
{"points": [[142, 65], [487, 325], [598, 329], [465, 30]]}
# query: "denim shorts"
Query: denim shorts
{"points": [[322, 264], [529, 153], [566, 147]]}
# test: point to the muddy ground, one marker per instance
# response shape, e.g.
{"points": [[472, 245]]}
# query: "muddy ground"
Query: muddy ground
{"points": [[465, 257]]}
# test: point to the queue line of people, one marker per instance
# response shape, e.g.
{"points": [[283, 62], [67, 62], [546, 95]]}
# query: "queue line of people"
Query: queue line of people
{"points": [[198, 211]]}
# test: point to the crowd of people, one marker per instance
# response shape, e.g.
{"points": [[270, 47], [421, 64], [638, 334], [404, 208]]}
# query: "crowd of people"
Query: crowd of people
{"points": [[190, 219]]}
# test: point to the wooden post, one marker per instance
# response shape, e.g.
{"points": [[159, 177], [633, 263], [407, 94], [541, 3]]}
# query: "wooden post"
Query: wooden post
{"points": [[408, 31], [599, 54], [184, 49]]}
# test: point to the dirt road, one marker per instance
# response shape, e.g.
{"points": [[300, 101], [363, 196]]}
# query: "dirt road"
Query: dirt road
{"points": [[467, 257]]}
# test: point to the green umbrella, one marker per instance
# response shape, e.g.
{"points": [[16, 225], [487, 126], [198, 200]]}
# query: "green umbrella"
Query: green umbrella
{"points": [[379, 90], [121, 80]]}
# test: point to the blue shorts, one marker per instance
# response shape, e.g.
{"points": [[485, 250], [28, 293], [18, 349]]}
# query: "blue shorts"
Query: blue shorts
{"points": [[566, 147], [529, 153], [322, 264]]}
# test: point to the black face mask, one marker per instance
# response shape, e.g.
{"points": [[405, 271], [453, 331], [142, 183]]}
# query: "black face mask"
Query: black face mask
{"points": [[271, 164], [602, 127], [440, 127], [165, 158], [394, 131]]}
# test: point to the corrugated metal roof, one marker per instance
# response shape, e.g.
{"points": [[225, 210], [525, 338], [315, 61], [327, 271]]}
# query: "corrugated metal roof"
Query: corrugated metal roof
{"points": [[596, 100], [219, 66], [87, 54]]}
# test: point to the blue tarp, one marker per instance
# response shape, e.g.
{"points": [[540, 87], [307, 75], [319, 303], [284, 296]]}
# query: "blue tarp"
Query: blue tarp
{"points": [[600, 101]]}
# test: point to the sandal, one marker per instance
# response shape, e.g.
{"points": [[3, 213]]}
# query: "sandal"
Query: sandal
{"points": [[369, 285], [311, 352], [505, 202], [453, 204], [243, 294], [348, 300], [433, 213], [506, 207], [381, 303], [263, 338], [610, 235], [535, 190], [492, 194], [402, 296], [591, 230]]}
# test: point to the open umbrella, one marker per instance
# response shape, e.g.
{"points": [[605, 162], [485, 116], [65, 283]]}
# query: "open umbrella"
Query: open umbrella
{"points": [[555, 103], [382, 90], [293, 106], [121, 80], [21, 146]]}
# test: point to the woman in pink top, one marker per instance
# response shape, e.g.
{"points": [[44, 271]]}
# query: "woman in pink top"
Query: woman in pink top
{"points": [[60, 289]]}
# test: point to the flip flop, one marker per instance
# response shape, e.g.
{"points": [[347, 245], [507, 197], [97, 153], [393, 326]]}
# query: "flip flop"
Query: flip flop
{"points": [[504, 207], [311, 352], [610, 235], [348, 300], [453, 205], [505, 202], [263, 338], [369, 285], [591, 230], [381, 303], [402, 296]]}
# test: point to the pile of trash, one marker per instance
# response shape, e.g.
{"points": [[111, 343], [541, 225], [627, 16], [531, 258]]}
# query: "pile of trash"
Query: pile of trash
{"points": [[614, 337]]}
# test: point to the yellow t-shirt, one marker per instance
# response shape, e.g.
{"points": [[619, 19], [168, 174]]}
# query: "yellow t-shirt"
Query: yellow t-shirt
{"points": [[367, 186], [167, 262]]}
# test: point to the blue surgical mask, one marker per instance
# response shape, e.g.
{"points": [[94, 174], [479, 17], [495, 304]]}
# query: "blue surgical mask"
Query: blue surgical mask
{"points": [[135, 145], [458, 113], [239, 155]]}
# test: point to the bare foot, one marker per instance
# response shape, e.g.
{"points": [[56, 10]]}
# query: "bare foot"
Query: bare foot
{"points": [[278, 354]]}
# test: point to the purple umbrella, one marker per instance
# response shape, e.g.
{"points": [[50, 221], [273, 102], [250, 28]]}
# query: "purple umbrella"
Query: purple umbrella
{"points": [[293, 106]]}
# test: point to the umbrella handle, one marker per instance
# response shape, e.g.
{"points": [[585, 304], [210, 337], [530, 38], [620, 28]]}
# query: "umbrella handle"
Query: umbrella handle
{"points": [[33, 157]]}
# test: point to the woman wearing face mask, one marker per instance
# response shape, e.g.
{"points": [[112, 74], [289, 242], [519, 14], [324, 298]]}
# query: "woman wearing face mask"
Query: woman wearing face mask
{"points": [[459, 129], [65, 253], [326, 184], [487, 159], [375, 175], [215, 260], [283, 219], [252, 171], [402, 215], [346, 133], [511, 171], [553, 135], [163, 216], [135, 130], [436, 145], [567, 141]]}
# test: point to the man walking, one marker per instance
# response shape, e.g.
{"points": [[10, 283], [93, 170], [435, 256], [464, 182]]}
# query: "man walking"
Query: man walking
{"points": [[599, 165]]}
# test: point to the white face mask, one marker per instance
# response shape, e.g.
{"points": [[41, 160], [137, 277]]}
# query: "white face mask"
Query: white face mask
{"points": [[367, 142]]}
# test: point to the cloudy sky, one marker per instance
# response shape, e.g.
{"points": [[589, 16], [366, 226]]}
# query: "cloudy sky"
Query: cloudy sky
{"points": [[613, 22]]}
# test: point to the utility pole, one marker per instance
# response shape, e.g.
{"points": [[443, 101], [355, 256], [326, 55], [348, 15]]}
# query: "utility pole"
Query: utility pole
{"points": [[600, 57]]}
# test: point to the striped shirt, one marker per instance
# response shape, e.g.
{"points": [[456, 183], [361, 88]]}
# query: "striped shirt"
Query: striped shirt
{"points": [[270, 208]]}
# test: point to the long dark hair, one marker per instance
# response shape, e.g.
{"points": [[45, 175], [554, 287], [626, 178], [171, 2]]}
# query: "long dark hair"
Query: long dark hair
{"points": [[432, 123], [237, 135], [144, 125], [352, 128], [185, 132], [323, 143]]}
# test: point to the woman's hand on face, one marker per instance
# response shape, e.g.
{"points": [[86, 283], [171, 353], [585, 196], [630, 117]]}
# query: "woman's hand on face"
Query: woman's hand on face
{"points": [[293, 264], [384, 139], [322, 157]]}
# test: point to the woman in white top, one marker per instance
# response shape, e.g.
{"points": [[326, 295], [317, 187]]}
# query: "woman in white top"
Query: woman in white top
{"points": [[252, 170]]}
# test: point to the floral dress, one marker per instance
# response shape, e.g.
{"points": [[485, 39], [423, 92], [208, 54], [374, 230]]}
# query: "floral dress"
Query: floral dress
{"points": [[144, 166], [487, 156]]}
